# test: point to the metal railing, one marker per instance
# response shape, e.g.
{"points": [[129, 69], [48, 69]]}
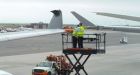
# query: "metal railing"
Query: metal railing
{"points": [[96, 41]]}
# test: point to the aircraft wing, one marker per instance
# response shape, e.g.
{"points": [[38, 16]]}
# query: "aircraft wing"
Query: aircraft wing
{"points": [[24, 34], [123, 28], [115, 28], [82, 19], [132, 18]]}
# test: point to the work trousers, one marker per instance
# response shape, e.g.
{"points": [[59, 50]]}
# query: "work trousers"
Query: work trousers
{"points": [[74, 41], [80, 42]]}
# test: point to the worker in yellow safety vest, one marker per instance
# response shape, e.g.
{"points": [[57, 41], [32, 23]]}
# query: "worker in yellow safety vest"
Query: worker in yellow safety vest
{"points": [[78, 34], [74, 37]]}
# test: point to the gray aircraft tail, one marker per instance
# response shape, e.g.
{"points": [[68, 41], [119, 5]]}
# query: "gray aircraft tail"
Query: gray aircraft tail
{"points": [[82, 19], [56, 21]]}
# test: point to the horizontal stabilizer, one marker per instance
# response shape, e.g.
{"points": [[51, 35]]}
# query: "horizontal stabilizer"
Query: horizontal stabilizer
{"points": [[82, 19], [25, 34], [132, 18]]}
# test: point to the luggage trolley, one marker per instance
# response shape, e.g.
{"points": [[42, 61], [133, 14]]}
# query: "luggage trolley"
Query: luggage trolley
{"points": [[93, 44]]}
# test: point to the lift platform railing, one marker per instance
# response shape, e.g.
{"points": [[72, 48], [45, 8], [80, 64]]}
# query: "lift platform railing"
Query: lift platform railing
{"points": [[93, 44], [96, 42]]}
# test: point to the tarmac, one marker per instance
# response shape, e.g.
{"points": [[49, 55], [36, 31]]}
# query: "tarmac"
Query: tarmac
{"points": [[20, 56]]}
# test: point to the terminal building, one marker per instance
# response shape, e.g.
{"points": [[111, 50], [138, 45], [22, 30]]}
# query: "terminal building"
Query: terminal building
{"points": [[39, 25]]}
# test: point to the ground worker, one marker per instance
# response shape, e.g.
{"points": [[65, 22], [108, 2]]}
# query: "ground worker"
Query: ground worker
{"points": [[74, 37], [77, 36], [80, 35]]}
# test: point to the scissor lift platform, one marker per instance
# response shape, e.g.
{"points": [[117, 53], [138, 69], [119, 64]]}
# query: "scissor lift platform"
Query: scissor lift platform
{"points": [[82, 51], [93, 44]]}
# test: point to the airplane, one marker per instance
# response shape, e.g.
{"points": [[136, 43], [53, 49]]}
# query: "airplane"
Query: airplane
{"points": [[55, 26], [114, 28], [4, 73]]}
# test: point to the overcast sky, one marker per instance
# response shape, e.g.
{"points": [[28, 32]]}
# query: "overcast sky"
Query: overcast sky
{"points": [[28, 11]]}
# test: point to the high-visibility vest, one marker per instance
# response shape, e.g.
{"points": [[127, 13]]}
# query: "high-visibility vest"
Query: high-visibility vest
{"points": [[80, 32], [74, 33]]}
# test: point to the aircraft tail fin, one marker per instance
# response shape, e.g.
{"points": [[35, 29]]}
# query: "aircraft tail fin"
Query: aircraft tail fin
{"points": [[56, 21], [82, 19]]}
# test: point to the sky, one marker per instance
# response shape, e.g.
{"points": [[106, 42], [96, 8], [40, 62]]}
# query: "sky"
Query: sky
{"points": [[30, 11]]}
